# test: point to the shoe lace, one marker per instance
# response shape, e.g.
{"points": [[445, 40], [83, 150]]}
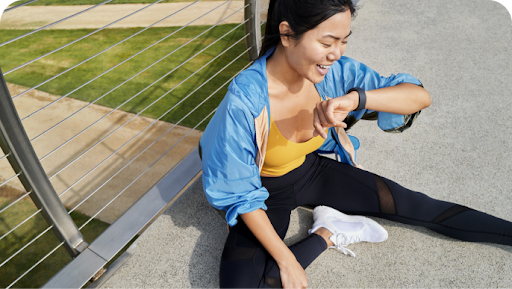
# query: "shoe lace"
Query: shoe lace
{"points": [[343, 240]]}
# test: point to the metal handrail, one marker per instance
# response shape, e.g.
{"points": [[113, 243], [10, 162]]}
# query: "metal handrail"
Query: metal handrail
{"points": [[252, 16], [22, 157]]}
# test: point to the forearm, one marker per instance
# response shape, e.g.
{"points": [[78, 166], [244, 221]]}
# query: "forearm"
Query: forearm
{"points": [[403, 98], [259, 224]]}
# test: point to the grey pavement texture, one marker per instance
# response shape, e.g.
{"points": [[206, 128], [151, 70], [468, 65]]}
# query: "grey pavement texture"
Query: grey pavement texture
{"points": [[458, 151]]}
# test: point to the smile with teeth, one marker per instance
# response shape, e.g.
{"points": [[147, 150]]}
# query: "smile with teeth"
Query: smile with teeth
{"points": [[323, 66]]}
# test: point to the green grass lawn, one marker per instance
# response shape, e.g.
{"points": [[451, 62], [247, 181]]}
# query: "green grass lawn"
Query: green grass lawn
{"points": [[37, 250], [94, 2], [39, 43]]}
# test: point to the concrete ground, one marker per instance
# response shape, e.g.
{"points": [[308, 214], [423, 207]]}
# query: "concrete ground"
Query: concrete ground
{"points": [[458, 150]]}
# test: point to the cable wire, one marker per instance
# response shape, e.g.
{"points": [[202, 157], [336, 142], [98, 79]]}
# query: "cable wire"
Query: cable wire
{"points": [[97, 189], [5, 156], [11, 204], [10, 179], [19, 5], [130, 78], [42, 259], [76, 40], [26, 245], [136, 137], [11, 230], [99, 53], [153, 101], [90, 219], [51, 24]]}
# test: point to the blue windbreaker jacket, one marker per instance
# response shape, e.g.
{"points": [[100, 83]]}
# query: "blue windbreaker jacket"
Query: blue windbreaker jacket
{"points": [[234, 143]]}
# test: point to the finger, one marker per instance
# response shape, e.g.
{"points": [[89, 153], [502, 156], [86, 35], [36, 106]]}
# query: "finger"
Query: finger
{"points": [[323, 121], [319, 130], [329, 112]]}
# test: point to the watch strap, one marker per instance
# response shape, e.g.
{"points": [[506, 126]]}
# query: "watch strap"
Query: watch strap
{"points": [[362, 97]]}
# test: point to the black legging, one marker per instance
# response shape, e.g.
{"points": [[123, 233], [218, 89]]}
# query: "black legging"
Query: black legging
{"points": [[322, 181]]}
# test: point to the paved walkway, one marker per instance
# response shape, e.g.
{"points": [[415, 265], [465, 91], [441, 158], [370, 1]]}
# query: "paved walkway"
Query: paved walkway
{"points": [[459, 150], [32, 17]]}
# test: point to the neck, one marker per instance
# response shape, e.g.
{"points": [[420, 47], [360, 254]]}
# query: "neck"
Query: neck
{"points": [[281, 73]]}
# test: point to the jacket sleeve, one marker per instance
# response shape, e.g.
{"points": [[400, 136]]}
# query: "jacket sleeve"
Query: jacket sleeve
{"points": [[356, 74], [231, 179], [349, 74]]}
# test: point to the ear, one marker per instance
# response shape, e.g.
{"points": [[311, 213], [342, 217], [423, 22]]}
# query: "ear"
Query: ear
{"points": [[285, 31]]}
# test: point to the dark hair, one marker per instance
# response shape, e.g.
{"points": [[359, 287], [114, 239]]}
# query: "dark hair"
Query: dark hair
{"points": [[301, 15]]}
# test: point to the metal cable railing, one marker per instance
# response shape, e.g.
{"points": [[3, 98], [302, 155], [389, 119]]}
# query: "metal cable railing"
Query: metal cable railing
{"points": [[25, 246], [205, 118], [140, 112], [35, 265], [134, 137], [131, 77], [99, 53], [19, 5], [215, 68], [17, 200], [5, 156], [10, 179], [78, 39], [51, 24], [160, 135], [23, 222]]}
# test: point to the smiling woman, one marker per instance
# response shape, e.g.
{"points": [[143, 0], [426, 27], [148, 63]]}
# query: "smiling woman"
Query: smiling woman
{"points": [[261, 151]]}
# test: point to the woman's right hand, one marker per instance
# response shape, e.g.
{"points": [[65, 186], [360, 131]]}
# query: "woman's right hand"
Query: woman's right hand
{"points": [[293, 275]]}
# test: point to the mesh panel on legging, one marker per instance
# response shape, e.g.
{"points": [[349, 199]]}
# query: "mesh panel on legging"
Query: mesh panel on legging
{"points": [[449, 219], [386, 202], [355, 191]]}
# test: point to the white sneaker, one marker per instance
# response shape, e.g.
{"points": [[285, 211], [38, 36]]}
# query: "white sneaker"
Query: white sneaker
{"points": [[347, 229]]}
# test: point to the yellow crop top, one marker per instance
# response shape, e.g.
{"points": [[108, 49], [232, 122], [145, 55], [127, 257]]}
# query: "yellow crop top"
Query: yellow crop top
{"points": [[282, 155]]}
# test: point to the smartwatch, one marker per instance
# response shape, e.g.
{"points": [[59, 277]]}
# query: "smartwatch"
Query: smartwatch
{"points": [[362, 97]]}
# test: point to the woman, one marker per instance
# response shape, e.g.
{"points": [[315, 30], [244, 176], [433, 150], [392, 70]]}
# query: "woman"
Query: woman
{"points": [[260, 151]]}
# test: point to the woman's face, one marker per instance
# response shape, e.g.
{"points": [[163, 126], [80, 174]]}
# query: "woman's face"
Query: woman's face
{"points": [[312, 55]]}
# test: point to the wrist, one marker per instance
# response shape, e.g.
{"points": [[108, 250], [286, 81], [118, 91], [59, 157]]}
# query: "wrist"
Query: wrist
{"points": [[353, 96], [286, 259]]}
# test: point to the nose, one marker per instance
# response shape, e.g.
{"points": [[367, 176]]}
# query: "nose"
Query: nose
{"points": [[335, 54]]}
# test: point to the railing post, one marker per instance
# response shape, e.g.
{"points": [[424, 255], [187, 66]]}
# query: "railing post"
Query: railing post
{"points": [[253, 28], [22, 157]]}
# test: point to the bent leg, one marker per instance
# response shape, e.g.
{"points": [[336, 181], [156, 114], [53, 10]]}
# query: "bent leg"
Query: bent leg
{"points": [[246, 264], [356, 191]]}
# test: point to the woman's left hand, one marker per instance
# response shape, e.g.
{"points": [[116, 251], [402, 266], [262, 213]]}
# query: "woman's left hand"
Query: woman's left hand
{"points": [[332, 112]]}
